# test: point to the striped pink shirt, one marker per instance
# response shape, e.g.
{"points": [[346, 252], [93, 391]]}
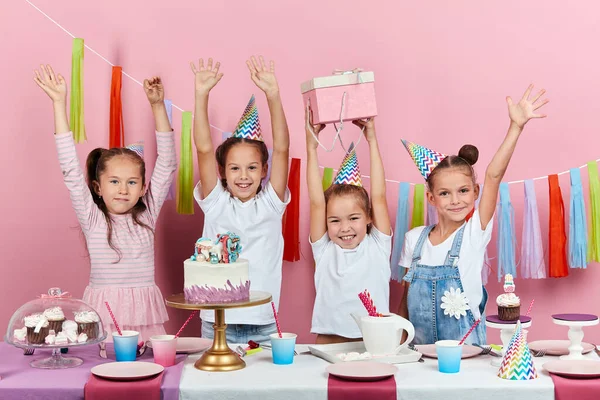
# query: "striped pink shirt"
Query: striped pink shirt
{"points": [[136, 243]]}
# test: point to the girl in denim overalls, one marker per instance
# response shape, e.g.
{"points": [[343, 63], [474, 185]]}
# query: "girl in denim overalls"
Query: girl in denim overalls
{"points": [[444, 294]]}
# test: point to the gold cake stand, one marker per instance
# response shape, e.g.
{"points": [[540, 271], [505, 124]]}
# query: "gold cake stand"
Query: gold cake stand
{"points": [[219, 357]]}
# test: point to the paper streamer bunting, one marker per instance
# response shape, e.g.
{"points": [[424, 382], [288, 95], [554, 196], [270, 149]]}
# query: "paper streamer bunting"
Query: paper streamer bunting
{"points": [[577, 223], [594, 235], [185, 186], [533, 265], [169, 107], [116, 133], [400, 230], [291, 219], [327, 178], [506, 235], [77, 114], [557, 238], [517, 363], [432, 217], [418, 217]]}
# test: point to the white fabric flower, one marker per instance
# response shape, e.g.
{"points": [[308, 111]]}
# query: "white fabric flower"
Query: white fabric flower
{"points": [[454, 303]]}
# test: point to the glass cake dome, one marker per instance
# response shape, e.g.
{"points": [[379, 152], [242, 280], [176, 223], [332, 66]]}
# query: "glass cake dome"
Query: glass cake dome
{"points": [[54, 321]]}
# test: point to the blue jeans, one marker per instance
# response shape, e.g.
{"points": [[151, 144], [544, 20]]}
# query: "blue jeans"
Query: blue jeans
{"points": [[241, 333]]}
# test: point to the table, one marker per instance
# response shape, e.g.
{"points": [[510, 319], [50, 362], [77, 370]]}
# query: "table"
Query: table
{"points": [[306, 379]]}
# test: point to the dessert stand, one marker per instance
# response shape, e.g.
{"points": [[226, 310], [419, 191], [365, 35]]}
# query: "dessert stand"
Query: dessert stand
{"points": [[507, 329], [575, 322]]}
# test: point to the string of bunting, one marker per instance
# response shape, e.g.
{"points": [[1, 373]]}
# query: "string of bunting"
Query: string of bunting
{"points": [[532, 263]]}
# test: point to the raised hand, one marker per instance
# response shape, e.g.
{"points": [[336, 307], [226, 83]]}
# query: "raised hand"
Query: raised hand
{"points": [[206, 78], [525, 109], [367, 126], [312, 131], [263, 76], [53, 85], [154, 90]]}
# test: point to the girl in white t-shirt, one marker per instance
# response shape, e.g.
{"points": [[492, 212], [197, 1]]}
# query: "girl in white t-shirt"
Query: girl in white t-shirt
{"points": [[351, 239], [238, 202], [444, 295]]}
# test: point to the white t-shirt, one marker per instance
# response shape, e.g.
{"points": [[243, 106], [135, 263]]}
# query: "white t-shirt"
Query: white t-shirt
{"points": [[258, 224], [342, 274], [471, 256]]}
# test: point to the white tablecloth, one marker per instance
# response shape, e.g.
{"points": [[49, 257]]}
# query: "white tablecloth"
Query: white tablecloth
{"points": [[306, 379]]}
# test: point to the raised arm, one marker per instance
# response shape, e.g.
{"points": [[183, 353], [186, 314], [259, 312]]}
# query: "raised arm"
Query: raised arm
{"points": [[205, 80], [266, 81], [379, 206], [519, 114], [55, 87], [318, 223], [166, 162]]}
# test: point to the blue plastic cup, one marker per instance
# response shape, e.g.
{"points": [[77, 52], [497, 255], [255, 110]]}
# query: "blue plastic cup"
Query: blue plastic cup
{"points": [[449, 353], [126, 345], [283, 348]]}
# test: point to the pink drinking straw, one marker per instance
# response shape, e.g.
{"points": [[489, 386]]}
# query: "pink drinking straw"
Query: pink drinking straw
{"points": [[276, 319], [185, 323], [469, 332], [529, 309], [113, 318]]}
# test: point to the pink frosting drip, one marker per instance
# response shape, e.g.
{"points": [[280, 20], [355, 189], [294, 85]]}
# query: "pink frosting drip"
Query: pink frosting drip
{"points": [[210, 294]]}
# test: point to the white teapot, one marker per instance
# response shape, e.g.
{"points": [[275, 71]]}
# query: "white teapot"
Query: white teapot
{"points": [[382, 335]]}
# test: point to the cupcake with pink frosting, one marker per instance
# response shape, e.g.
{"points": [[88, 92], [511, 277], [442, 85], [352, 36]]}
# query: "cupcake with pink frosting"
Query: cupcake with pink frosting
{"points": [[509, 304]]}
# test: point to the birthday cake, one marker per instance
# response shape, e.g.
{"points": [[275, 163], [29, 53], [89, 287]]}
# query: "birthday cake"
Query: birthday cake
{"points": [[215, 273], [509, 304]]}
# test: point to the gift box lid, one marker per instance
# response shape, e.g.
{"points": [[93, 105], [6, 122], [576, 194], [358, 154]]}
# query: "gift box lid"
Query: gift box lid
{"points": [[338, 79]]}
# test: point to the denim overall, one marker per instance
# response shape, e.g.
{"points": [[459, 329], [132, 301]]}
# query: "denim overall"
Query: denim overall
{"points": [[427, 286]]}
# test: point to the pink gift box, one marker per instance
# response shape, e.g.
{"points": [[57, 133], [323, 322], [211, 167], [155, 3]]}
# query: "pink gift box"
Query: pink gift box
{"points": [[326, 93]]}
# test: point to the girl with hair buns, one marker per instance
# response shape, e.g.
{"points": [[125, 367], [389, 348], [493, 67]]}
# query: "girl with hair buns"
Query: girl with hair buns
{"points": [[444, 294]]}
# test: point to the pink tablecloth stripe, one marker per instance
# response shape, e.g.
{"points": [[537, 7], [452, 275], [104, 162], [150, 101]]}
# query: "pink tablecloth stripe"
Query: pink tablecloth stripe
{"points": [[102, 389], [575, 389], [340, 389]]}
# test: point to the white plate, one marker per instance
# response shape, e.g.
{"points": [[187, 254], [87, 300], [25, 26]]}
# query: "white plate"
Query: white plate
{"points": [[574, 368], [468, 351], [557, 347], [127, 370], [362, 370], [329, 352], [189, 345]]}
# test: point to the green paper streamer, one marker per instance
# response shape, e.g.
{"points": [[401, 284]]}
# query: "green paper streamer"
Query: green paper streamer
{"points": [[418, 216], [185, 181], [327, 178], [593, 253], [77, 120]]}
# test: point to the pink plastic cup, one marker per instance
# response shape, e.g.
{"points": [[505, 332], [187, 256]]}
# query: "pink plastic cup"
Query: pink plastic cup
{"points": [[164, 348]]}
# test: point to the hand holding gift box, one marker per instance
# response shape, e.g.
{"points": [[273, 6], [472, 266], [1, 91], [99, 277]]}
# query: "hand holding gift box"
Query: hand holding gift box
{"points": [[342, 96]]}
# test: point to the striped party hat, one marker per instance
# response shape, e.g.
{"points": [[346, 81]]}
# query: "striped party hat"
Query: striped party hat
{"points": [[349, 173], [517, 364], [137, 147], [425, 159], [249, 125]]}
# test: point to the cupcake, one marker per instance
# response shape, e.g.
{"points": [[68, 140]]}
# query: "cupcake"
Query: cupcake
{"points": [[55, 317], [37, 328], [509, 304], [87, 322]]}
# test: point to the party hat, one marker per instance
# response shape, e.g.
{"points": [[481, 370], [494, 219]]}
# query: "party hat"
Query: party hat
{"points": [[249, 125], [517, 363], [425, 159], [349, 173], [137, 147]]}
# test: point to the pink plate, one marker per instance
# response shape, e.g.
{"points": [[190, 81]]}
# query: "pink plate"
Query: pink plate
{"points": [[362, 370], [574, 368], [557, 347], [127, 370], [189, 345], [428, 350]]}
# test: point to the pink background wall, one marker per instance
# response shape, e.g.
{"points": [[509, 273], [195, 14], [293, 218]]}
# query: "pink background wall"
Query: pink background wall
{"points": [[442, 73]]}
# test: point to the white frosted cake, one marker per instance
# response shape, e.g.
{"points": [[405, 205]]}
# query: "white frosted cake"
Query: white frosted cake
{"points": [[215, 274]]}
